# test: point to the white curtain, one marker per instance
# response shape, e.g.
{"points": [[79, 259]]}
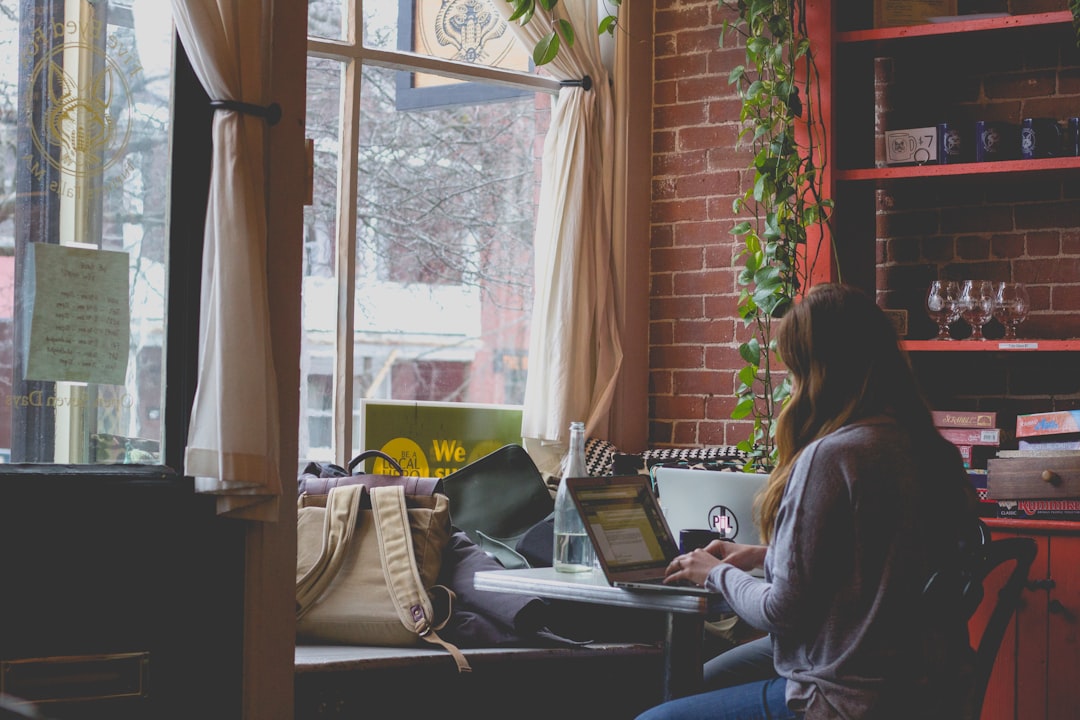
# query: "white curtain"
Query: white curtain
{"points": [[232, 448], [574, 350]]}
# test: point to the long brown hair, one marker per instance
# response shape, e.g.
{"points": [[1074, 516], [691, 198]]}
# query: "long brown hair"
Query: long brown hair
{"points": [[845, 363]]}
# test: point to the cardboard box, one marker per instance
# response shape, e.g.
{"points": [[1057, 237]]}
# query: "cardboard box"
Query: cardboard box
{"points": [[1039, 509], [971, 436], [914, 146], [891, 13], [1048, 423], [1069, 441], [964, 419]]}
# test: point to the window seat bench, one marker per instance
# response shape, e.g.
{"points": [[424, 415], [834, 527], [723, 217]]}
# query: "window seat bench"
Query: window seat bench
{"points": [[600, 680]]}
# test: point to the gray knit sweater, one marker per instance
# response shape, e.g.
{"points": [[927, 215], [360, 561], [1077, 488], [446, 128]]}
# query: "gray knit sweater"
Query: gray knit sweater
{"points": [[863, 521]]}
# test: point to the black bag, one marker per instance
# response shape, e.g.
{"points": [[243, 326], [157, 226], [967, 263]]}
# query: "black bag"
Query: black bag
{"points": [[497, 499]]}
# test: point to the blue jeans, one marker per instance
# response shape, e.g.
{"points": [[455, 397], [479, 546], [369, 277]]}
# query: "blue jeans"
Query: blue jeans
{"points": [[744, 663], [761, 700]]}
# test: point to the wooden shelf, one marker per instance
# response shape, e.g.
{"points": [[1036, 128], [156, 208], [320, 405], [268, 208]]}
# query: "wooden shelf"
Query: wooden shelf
{"points": [[1020, 345], [986, 169], [959, 26]]}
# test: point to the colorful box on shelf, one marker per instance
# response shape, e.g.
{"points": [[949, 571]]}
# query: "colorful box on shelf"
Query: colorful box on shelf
{"points": [[892, 13], [1066, 441], [1048, 423], [914, 146], [964, 419], [1043, 509], [971, 436]]}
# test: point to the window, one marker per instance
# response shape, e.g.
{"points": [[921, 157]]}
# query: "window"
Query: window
{"points": [[85, 116], [426, 125]]}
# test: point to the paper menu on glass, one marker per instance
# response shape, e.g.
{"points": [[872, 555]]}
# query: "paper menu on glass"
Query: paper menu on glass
{"points": [[76, 301]]}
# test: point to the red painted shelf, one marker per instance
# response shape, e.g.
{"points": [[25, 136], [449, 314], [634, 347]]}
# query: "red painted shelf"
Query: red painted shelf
{"points": [[958, 26], [1020, 345], [985, 168]]}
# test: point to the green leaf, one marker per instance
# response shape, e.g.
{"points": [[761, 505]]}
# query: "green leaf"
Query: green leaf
{"points": [[607, 25], [521, 7], [750, 351], [743, 409], [566, 30], [546, 49], [549, 5]]}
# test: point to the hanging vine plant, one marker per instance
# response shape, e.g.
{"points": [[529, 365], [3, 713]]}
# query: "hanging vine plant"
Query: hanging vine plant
{"points": [[781, 115]]}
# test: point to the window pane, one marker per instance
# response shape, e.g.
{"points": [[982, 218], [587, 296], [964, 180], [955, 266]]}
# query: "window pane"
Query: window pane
{"points": [[85, 128], [319, 317], [470, 31], [441, 217], [326, 19], [446, 213]]}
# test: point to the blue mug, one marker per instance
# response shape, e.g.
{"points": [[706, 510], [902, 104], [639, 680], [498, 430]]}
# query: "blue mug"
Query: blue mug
{"points": [[1040, 138], [995, 140], [950, 144]]}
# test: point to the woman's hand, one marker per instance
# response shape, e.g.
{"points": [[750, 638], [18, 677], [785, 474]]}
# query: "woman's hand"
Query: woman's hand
{"points": [[693, 567], [744, 557]]}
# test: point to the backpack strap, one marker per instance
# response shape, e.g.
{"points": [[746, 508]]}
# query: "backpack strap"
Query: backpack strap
{"points": [[339, 520], [414, 604]]}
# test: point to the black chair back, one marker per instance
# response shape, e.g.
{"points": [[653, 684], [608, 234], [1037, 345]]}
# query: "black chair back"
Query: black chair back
{"points": [[961, 590]]}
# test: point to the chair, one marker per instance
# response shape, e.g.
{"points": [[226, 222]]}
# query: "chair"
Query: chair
{"points": [[966, 587]]}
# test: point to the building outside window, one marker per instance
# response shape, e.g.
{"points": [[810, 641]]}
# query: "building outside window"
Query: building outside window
{"points": [[85, 112], [418, 242]]}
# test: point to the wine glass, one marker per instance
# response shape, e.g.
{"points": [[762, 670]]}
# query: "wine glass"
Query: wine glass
{"points": [[1011, 306], [977, 305], [942, 307]]}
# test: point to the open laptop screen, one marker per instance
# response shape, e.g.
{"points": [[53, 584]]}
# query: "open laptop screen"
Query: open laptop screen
{"points": [[626, 524]]}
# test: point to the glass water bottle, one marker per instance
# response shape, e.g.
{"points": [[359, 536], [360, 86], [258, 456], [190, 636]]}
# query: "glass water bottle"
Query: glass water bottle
{"points": [[573, 550]]}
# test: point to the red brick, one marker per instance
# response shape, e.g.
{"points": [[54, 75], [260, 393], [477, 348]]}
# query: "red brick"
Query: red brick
{"points": [[1007, 246], [704, 137], [701, 332], [680, 18], [1032, 272], [1063, 298], [1043, 244], [675, 259], [665, 93], [680, 116], [679, 407], [706, 184], [699, 382], [680, 66], [674, 308], [686, 163], [702, 282], [679, 210], [708, 233]]}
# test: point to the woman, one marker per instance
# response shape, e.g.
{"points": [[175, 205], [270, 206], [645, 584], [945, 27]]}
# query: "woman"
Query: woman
{"points": [[866, 501]]}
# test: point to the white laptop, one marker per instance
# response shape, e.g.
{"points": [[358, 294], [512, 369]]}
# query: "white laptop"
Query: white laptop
{"points": [[718, 500]]}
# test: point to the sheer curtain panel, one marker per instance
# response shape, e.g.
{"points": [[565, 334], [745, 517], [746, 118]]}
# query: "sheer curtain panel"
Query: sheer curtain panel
{"points": [[574, 350], [232, 448]]}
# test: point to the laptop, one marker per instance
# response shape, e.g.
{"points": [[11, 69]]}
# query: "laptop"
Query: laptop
{"points": [[718, 500], [627, 527]]}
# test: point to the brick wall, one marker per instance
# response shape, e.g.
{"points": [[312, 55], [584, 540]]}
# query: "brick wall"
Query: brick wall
{"points": [[1024, 228], [697, 174]]}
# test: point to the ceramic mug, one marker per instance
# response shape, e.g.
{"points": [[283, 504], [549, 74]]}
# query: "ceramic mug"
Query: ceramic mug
{"points": [[950, 142], [692, 539], [1040, 138], [1071, 143], [995, 140]]}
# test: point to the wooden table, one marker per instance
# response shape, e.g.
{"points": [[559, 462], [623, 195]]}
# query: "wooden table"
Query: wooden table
{"points": [[684, 614]]}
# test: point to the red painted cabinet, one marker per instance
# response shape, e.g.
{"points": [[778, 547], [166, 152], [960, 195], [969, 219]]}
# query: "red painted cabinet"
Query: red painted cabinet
{"points": [[1037, 673]]}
